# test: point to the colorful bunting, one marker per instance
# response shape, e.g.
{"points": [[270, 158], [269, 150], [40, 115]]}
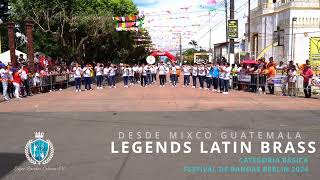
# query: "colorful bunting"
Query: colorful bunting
{"points": [[128, 23]]}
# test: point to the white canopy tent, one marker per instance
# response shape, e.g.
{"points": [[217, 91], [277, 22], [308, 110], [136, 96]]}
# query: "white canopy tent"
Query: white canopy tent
{"points": [[5, 57]]}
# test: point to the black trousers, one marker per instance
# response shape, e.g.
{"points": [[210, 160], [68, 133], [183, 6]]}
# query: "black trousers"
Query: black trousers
{"points": [[271, 88], [201, 79], [143, 80], [162, 79], [306, 90], [215, 83]]}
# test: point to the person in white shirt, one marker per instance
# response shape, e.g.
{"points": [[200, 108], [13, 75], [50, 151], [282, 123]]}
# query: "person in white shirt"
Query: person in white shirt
{"points": [[209, 70], [143, 79], [137, 73], [194, 75], [186, 75], [202, 75], [174, 77], [125, 75], [226, 71], [153, 74], [106, 75], [25, 80], [292, 77], [221, 75], [87, 77], [112, 76], [131, 75], [77, 77], [4, 75], [99, 71], [162, 74]]}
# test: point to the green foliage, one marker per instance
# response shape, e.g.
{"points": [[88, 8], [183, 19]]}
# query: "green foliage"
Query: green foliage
{"points": [[79, 29]]}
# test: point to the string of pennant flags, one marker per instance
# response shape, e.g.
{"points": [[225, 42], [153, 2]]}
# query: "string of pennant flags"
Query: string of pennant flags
{"points": [[128, 23]]}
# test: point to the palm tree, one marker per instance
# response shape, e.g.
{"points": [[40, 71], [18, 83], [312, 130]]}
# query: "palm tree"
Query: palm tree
{"points": [[193, 43]]}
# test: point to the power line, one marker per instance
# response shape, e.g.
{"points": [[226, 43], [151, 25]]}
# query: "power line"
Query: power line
{"points": [[237, 11]]}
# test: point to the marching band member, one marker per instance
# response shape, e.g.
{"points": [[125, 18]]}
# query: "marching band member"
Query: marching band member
{"points": [[77, 77], [194, 75], [99, 71], [143, 79], [202, 74], [215, 77], [226, 78], [112, 76], [174, 77], [106, 75], [125, 75], [186, 75], [87, 77], [209, 76], [131, 75], [162, 74]]}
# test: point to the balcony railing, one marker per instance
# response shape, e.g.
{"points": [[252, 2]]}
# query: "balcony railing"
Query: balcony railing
{"points": [[274, 7]]}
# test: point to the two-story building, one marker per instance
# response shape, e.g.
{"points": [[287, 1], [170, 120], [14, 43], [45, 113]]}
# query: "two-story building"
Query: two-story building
{"points": [[283, 29]]}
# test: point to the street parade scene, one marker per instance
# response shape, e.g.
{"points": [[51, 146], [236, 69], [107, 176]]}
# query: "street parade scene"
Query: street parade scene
{"points": [[159, 89]]}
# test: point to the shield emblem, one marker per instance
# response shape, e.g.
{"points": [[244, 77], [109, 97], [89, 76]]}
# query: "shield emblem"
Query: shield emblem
{"points": [[39, 149]]}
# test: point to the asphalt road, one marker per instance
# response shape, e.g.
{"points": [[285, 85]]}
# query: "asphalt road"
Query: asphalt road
{"points": [[83, 151]]}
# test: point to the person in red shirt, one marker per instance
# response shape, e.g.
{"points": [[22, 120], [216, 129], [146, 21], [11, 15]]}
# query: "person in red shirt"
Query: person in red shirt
{"points": [[307, 75], [17, 83]]}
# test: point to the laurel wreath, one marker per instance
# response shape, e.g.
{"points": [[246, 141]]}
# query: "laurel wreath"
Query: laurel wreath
{"points": [[26, 152], [51, 152]]}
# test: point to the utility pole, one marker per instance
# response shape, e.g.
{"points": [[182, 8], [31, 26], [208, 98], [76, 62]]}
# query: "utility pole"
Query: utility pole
{"points": [[231, 50], [227, 39], [249, 30], [180, 49], [210, 50]]}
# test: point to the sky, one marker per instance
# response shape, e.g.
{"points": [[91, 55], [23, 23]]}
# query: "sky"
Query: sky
{"points": [[166, 20]]}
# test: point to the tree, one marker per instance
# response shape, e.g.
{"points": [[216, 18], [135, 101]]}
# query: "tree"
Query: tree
{"points": [[70, 29]]}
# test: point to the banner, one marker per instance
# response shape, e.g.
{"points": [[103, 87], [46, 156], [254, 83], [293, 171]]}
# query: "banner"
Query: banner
{"points": [[315, 81], [244, 78], [314, 51]]}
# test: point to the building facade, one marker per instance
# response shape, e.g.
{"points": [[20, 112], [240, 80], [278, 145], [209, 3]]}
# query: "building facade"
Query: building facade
{"points": [[283, 29]]}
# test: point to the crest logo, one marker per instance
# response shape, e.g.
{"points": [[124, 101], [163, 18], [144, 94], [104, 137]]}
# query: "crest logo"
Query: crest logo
{"points": [[38, 150]]}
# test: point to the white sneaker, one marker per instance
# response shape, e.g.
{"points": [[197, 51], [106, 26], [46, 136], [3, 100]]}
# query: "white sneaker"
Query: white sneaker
{"points": [[183, 86], [110, 87], [163, 85], [114, 86], [91, 89], [6, 99], [77, 90], [225, 93]]}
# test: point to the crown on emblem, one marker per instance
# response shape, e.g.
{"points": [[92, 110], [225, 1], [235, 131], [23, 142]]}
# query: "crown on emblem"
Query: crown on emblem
{"points": [[38, 134]]}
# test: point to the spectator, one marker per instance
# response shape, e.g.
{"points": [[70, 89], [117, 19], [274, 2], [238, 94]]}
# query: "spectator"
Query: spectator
{"points": [[307, 75], [270, 77]]}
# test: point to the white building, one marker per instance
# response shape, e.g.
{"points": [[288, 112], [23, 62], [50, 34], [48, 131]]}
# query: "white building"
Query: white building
{"points": [[272, 16]]}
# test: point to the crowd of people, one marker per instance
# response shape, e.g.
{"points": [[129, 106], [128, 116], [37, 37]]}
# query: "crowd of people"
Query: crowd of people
{"points": [[218, 77]]}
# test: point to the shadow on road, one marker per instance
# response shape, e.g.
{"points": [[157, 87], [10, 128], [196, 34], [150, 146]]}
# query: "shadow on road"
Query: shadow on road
{"points": [[8, 161]]}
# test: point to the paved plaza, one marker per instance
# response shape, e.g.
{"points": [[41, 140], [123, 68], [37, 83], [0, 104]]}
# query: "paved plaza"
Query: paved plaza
{"points": [[82, 125]]}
